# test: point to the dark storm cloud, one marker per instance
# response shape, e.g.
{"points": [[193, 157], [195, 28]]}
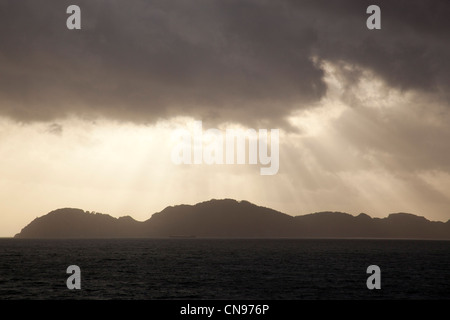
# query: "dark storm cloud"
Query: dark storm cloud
{"points": [[409, 52], [241, 60]]}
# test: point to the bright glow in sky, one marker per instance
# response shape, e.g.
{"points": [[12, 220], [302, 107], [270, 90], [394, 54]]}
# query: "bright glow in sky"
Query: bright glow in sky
{"points": [[338, 159]]}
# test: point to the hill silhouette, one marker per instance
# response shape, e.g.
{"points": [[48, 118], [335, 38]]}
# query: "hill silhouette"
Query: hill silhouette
{"points": [[229, 218], [76, 223]]}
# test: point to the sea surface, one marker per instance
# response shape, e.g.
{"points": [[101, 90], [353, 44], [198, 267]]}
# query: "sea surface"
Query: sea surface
{"points": [[203, 269]]}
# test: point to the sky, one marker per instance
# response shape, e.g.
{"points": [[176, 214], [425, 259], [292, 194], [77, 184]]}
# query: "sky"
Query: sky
{"points": [[87, 116]]}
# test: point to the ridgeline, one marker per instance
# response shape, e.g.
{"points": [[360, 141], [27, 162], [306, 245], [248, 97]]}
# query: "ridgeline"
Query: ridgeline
{"points": [[229, 218]]}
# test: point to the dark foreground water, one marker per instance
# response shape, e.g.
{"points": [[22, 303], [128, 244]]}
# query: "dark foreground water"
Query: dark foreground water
{"points": [[224, 269]]}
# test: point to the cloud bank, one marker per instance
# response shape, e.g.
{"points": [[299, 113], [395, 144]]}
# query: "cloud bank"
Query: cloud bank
{"points": [[245, 61]]}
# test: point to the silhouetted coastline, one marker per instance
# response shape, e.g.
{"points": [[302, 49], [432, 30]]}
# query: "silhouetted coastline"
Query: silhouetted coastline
{"points": [[229, 218]]}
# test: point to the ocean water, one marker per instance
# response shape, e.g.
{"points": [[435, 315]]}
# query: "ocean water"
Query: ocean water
{"points": [[202, 269]]}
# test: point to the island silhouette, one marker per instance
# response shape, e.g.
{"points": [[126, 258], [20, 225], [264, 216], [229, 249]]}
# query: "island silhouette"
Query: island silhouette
{"points": [[228, 218]]}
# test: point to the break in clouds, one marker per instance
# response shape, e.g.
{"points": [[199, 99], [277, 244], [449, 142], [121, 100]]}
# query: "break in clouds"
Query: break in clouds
{"points": [[247, 61]]}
